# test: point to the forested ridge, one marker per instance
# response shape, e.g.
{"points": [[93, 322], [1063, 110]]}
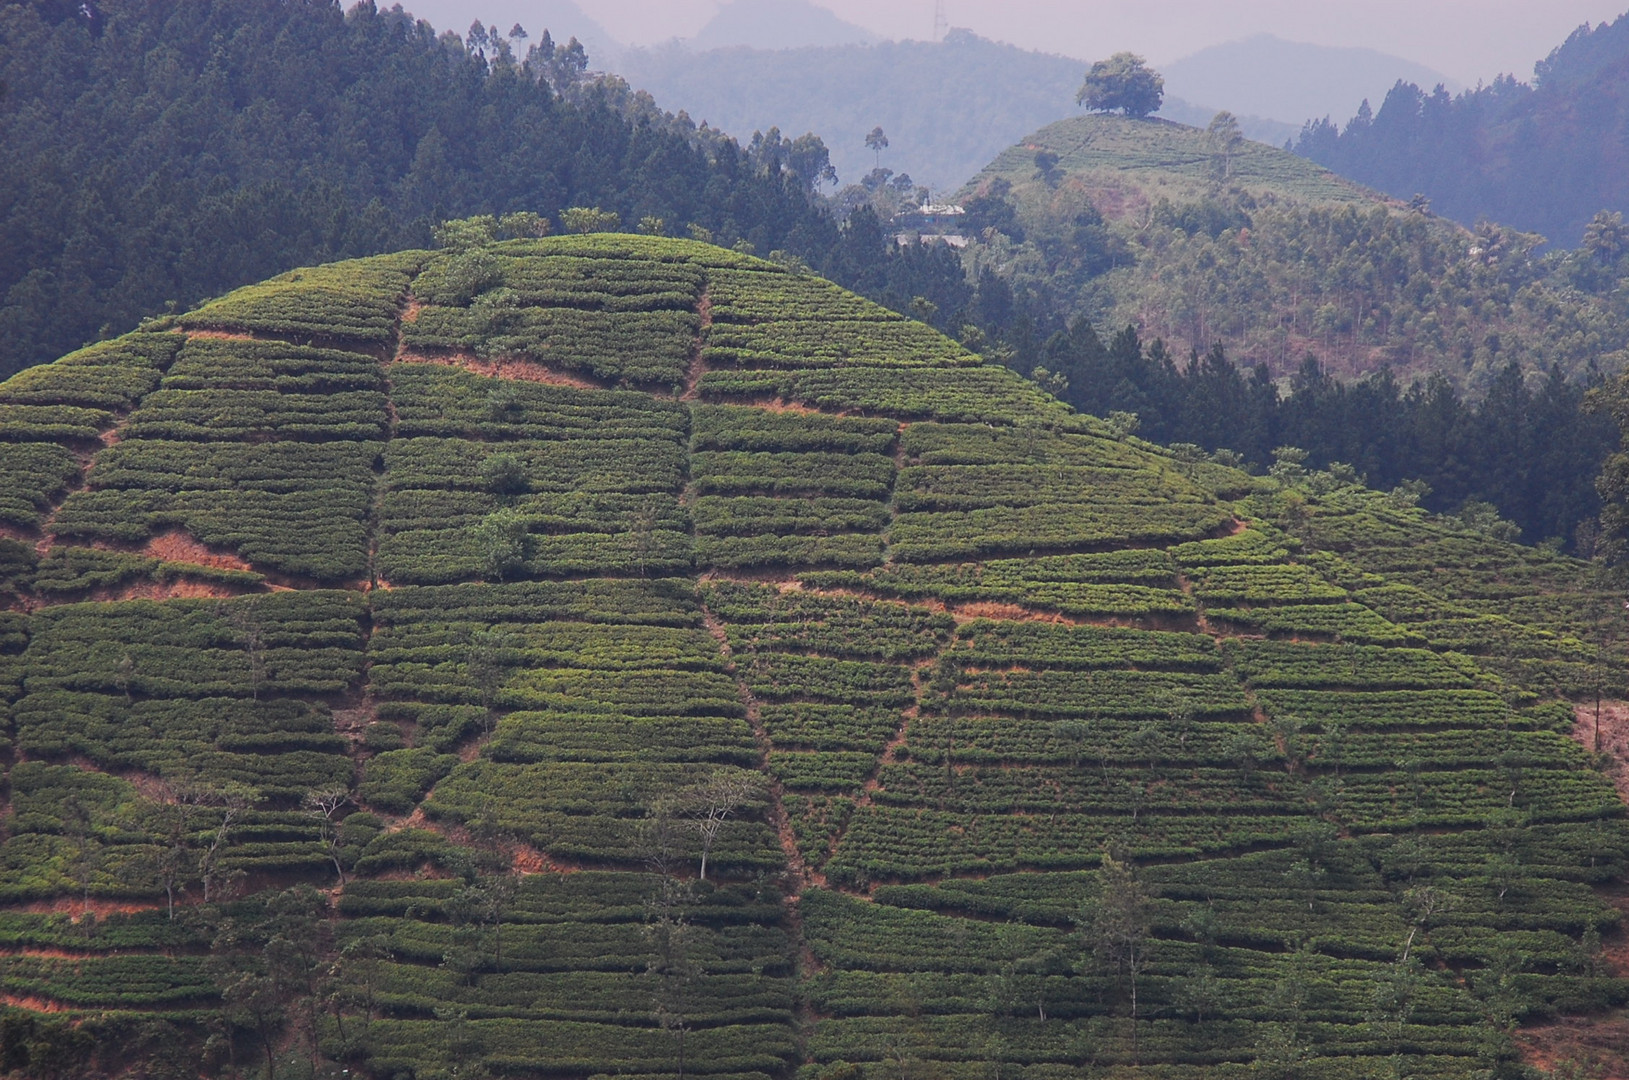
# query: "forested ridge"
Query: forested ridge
{"points": [[1532, 448], [1544, 155], [166, 151]]}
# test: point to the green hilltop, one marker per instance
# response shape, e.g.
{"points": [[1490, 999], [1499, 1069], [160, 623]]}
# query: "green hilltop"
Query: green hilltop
{"points": [[1197, 239], [1147, 160], [620, 656]]}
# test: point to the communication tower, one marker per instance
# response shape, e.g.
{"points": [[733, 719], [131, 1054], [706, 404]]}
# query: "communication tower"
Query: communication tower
{"points": [[941, 23]]}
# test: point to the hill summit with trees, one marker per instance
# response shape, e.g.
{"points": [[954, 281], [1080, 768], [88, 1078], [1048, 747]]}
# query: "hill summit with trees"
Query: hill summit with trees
{"points": [[615, 655], [1198, 236]]}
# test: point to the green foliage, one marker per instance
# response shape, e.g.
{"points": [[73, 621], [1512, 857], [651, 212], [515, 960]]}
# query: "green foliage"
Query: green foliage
{"points": [[293, 507], [70, 570], [354, 300], [1122, 83], [111, 375], [396, 780], [33, 476], [1285, 259]]}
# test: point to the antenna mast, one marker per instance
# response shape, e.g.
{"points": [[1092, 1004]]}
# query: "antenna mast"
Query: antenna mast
{"points": [[940, 22]]}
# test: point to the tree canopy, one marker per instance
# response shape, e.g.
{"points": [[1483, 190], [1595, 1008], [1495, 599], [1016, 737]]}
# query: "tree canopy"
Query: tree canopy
{"points": [[1122, 83]]}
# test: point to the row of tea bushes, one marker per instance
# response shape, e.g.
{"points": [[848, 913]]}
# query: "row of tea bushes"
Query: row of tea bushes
{"points": [[353, 301], [606, 702], [789, 489], [295, 508]]}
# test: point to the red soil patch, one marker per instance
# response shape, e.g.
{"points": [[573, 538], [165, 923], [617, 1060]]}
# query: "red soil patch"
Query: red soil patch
{"points": [[779, 406], [1614, 738], [177, 546], [529, 860], [410, 313], [167, 590], [16, 532], [32, 1004], [45, 954], [420, 874], [471, 750], [354, 721], [1599, 1045], [503, 368], [221, 335], [1004, 612], [74, 906]]}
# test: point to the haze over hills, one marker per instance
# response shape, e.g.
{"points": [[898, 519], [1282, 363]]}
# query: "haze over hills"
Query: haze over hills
{"points": [[615, 655], [947, 112], [564, 19], [777, 24], [947, 107], [1291, 81]]}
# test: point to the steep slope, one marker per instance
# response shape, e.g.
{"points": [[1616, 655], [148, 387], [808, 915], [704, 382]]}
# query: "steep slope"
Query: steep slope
{"points": [[1199, 240], [621, 656]]}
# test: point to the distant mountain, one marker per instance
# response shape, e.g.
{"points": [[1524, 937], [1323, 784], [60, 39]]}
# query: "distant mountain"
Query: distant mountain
{"points": [[947, 107], [1259, 128], [778, 24], [1290, 81], [1545, 156]]}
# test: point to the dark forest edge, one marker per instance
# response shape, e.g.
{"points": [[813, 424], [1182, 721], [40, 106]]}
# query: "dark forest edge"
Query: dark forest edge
{"points": [[1532, 447]]}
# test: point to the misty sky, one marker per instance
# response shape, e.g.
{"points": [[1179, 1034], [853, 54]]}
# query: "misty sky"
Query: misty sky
{"points": [[1469, 40]]}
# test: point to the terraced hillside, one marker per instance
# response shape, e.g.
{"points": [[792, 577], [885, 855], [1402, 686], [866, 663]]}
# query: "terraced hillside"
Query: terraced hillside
{"points": [[623, 657]]}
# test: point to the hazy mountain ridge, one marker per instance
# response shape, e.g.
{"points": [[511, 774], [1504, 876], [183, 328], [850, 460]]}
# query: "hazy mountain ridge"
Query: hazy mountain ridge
{"points": [[947, 107], [777, 24], [1544, 156], [1290, 81]]}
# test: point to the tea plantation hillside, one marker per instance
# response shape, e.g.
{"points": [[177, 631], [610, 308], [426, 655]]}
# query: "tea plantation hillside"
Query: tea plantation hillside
{"points": [[615, 656], [1199, 237]]}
